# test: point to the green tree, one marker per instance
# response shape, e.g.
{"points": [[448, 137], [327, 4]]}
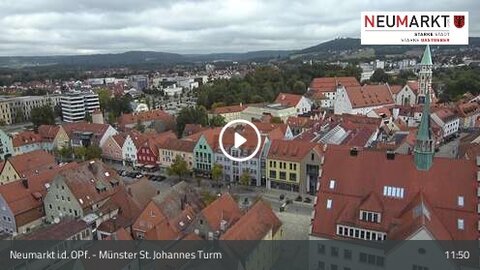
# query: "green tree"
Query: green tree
{"points": [[42, 115], [191, 115], [19, 116], [276, 120], [380, 76], [217, 121], [104, 97], [80, 152], [93, 152], [179, 168], [65, 153], [299, 87], [88, 117], [217, 171], [245, 178]]}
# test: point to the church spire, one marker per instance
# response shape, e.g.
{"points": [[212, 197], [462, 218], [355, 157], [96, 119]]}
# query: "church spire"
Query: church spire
{"points": [[425, 76], [424, 149]]}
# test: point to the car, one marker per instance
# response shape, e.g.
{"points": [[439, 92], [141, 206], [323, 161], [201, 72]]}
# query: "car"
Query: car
{"points": [[139, 175], [307, 200], [298, 199], [282, 196]]}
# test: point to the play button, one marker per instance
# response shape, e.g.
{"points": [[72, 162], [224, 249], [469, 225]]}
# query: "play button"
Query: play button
{"points": [[239, 140]]}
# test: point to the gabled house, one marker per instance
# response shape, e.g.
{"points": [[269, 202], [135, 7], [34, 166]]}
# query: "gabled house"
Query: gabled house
{"points": [[469, 114], [293, 166], [25, 142], [362, 99], [217, 218], [6, 146], [169, 215], [133, 142], [148, 153], [447, 120], [302, 104], [86, 134], [174, 147], [229, 113], [203, 153], [17, 167], [323, 90], [21, 202], [113, 146], [148, 118], [81, 192], [54, 137]]}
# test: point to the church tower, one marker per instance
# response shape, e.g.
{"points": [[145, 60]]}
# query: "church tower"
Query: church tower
{"points": [[425, 74], [424, 149]]}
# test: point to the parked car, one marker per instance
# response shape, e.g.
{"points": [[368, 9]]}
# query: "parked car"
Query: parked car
{"points": [[307, 200]]}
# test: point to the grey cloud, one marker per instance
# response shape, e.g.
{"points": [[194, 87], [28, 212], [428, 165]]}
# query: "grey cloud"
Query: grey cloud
{"points": [[45, 27]]}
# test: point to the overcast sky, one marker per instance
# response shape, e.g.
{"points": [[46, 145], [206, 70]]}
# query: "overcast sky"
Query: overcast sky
{"points": [[49, 27]]}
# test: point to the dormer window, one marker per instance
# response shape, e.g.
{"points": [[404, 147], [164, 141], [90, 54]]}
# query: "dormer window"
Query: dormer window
{"points": [[368, 216]]}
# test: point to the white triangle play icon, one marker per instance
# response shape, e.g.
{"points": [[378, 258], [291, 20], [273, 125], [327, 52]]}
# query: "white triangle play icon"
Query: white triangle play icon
{"points": [[238, 140]]}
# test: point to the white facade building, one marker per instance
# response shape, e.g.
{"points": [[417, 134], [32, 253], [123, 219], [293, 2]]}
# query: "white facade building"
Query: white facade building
{"points": [[75, 106]]}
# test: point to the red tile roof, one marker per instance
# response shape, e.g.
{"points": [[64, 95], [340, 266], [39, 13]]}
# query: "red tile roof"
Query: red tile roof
{"points": [[291, 150], [120, 234], [32, 162], [329, 84], [61, 231], [26, 137], [155, 140], [229, 109], [191, 129], [369, 95], [468, 109], [289, 100], [429, 197], [181, 145], [85, 127], [133, 118], [255, 224], [48, 132], [22, 200], [395, 89], [224, 208], [84, 181], [120, 138]]}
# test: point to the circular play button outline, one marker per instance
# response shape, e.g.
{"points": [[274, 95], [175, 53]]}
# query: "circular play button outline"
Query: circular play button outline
{"points": [[240, 121]]}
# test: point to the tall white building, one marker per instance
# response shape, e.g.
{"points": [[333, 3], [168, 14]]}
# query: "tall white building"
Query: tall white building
{"points": [[75, 106]]}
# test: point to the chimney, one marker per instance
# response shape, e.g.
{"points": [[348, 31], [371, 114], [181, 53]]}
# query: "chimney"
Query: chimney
{"points": [[353, 151], [25, 182], [390, 155]]}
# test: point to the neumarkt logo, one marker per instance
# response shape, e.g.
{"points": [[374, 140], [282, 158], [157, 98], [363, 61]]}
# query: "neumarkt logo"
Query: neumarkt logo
{"points": [[402, 28], [399, 21]]}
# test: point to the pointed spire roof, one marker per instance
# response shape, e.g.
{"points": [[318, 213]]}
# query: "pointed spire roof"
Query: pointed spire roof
{"points": [[424, 128], [427, 56]]}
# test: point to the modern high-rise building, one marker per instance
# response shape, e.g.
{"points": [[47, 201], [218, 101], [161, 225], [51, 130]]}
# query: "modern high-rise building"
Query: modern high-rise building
{"points": [[75, 106]]}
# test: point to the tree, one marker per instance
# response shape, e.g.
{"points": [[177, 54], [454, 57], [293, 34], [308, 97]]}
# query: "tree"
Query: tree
{"points": [[42, 115], [179, 167], [245, 178], [65, 153], [380, 76], [80, 152], [19, 116], [88, 117], [299, 87], [217, 121], [104, 97], [191, 115], [217, 171], [93, 152], [276, 120]]}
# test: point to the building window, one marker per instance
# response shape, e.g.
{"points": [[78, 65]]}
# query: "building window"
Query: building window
{"points": [[461, 201], [293, 176], [282, 176], [273, 174], [347, 254], [320, 248], [460, 224], [334, 251]]}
